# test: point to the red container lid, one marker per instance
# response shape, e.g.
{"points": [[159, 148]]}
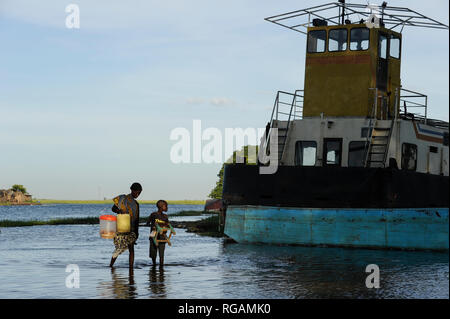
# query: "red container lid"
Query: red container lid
{"points": [[108, 217]]}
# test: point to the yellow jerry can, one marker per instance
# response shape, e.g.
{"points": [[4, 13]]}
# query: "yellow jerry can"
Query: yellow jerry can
{"points": [[123, 223]]}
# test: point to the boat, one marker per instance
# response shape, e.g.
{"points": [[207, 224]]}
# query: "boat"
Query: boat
{"points": [[358, 161]]}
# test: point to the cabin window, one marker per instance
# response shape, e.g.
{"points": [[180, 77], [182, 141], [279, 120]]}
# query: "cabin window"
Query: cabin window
{"points": [[356, 154], [332, 151], [433, 149], [382, 46], [359, 39], [337, 40], [305, 153], [394, 50], [409, 156], [316, 41]]}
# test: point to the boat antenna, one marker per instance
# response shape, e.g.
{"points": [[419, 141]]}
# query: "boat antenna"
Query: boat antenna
{"points": [[343, 10], [383, 6], [391, 17]]}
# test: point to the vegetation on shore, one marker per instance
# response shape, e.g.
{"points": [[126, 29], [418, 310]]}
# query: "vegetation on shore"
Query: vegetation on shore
{"points": [[19, 188], [33, 202], [109, 201], [204, 227], [248, 155], [190, 213], [62, 221]]}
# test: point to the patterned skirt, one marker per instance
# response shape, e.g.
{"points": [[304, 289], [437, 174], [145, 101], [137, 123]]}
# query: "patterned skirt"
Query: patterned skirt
{"points": [[122, 241]]}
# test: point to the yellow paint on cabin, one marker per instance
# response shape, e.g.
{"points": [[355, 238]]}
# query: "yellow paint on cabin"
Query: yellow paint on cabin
{"points": [[337, 83]]}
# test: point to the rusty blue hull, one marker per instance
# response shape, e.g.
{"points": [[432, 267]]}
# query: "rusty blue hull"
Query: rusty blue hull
{"points": [[396, 228]]}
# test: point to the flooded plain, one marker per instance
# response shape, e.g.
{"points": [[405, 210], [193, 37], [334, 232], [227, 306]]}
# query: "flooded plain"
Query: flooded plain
{"points": [[34, 260]]}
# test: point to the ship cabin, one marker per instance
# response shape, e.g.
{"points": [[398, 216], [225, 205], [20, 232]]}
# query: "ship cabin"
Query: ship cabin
{"points": [[353, 110]]}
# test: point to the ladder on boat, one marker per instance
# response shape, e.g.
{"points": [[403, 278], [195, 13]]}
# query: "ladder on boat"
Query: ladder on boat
{"points": [[379, 135], [287, 108], [378, 146]]}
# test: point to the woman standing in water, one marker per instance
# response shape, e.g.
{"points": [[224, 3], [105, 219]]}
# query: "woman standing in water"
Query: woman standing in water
{"points": [[127, 204]]}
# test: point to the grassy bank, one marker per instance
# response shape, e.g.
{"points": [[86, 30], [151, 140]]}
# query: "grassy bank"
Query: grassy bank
{"points": [[21, 204], [189, 213], [109, 201], [62, 221], [205, 227]]}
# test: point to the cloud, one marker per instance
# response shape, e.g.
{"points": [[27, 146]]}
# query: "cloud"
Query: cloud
{"points": [[221, 101], [215, 101]]}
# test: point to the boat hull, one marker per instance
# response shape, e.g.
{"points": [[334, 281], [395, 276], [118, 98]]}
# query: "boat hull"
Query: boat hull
{"points": [[331, 187], [385, 228]]}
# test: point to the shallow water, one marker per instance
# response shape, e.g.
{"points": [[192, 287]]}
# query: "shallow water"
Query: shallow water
{"points": [[33, 263], [53, 211]]}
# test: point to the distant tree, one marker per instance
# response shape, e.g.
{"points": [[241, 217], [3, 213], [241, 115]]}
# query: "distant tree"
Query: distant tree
{"points": [[19, 188], [216, 193]]}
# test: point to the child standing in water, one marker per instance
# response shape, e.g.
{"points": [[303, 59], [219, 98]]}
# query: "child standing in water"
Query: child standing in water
{"points": [[163, 220]]}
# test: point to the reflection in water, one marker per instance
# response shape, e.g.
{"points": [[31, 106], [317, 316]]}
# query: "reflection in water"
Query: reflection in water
{"points": [[314, 272], [156, 282], [205, 267], [120, 286]]}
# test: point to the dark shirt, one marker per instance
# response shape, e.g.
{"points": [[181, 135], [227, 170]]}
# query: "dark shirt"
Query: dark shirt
{"points": [[154, 216]]}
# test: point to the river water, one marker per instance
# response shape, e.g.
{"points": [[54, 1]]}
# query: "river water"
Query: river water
{"points": [[34, 260]]}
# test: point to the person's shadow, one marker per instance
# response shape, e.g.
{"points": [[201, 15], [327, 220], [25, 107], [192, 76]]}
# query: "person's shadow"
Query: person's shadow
{"points": [[156, 282]]}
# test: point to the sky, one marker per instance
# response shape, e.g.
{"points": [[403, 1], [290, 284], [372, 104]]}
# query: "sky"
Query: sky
{"points": [[86, 112]]}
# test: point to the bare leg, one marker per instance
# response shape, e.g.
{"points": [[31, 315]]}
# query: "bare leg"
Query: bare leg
{"points": [[131, 257], [161, 248], [153, 252]]}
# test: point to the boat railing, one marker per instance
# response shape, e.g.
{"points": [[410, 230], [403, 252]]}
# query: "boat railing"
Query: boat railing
{"points": [[371, 118], [413, 105], [287, 107]]}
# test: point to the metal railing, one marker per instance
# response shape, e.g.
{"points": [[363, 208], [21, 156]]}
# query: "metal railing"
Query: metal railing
{"points": [[413, 105], [287, 107], [338, 13], [372, 117]]}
